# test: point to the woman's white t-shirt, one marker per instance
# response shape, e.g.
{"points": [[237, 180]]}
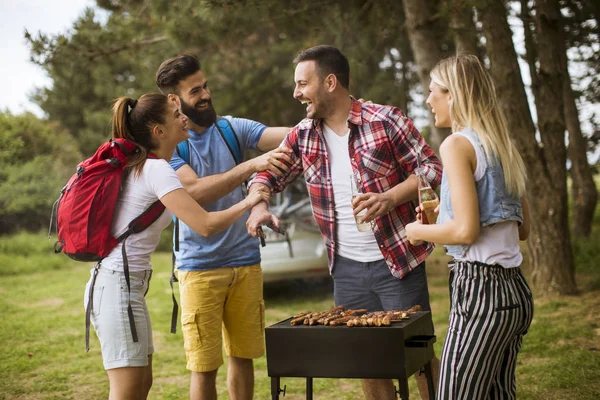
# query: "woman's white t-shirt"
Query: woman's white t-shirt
{"points": [[139, 192]]}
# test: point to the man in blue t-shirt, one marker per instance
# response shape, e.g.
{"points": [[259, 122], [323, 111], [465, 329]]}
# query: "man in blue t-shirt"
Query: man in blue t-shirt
{"points": [[220, 278]]}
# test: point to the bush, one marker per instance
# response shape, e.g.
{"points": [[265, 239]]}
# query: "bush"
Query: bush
{"points": [[25, 253], [37, 158], [166, 240]]}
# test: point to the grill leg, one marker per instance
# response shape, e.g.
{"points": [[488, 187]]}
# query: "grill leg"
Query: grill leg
{"points": [[429, 376], [309, 388], [403, 388], [275, 388]]}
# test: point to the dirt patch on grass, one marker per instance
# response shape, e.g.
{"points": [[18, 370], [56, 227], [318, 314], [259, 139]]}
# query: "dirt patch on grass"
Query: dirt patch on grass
{"points": [[50, 303], [177, 380]]}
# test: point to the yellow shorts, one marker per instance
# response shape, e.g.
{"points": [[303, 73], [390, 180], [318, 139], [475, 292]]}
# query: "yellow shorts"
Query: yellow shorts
{"points": [[222, 303]]}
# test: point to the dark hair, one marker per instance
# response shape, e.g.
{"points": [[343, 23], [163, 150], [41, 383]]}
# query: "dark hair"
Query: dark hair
{"points": [[134, 119], [329, 61], [174, 70]]}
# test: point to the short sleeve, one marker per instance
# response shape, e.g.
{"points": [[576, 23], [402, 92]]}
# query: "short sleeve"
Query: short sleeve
{"points": [[161, 178], [176, 162], [248, 131]]}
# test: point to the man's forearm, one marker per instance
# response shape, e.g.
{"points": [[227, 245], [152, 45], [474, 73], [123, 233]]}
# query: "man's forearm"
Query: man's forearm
{"points": [[263, 204], [211, 188], [404, 191]]}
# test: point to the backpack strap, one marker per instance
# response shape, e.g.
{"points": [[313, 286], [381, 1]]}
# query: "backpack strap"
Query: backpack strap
{"points": [[144, 220], [137, 225], [88, 309], [183, 151], [233, 143]]}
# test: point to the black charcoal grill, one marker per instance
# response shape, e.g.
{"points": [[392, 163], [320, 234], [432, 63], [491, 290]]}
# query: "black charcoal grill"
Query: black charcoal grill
{"points": [[387, 352]]}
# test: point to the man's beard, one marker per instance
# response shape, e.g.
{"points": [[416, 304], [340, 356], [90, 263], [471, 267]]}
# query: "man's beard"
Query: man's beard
{"points": [[204, 118], [325, 108]]}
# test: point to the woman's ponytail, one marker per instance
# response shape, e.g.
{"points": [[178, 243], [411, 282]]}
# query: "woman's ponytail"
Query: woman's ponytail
{"points": [[134, 120]]}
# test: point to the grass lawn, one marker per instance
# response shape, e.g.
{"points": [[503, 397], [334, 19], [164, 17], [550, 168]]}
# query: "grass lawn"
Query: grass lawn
{"points": [[42, 349]]}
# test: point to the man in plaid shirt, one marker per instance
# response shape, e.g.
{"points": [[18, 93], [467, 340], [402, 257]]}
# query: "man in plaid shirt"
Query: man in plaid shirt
{"points": [[342, 139]]}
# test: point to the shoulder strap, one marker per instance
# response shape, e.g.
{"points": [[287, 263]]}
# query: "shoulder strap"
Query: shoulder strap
{"points": [[226, 130], [144, 220], [183, 151]]}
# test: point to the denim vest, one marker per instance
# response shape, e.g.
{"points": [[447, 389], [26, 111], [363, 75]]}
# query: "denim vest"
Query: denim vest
{"points": [[495, 203]]}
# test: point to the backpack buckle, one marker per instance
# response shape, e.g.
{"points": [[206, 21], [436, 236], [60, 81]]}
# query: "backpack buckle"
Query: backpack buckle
{"points": [[59, 246]]}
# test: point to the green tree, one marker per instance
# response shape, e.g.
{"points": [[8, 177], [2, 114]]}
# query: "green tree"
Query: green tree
{"points": [[246, 49], [37, 159]]}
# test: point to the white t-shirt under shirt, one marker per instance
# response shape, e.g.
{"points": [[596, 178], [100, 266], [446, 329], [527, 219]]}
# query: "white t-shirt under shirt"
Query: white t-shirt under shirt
{"points": [[497, 243], [156, 180], [352, 244]]}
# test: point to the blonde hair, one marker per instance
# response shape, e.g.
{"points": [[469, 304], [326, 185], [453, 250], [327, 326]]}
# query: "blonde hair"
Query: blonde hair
{"points": [[474, 105]]}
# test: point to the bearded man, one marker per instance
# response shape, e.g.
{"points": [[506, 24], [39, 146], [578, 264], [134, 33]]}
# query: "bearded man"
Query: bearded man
{"points": [[220, 278]]}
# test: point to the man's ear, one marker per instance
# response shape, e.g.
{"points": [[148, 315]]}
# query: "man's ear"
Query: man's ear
{"points": [[331, 82], [175, 99]]}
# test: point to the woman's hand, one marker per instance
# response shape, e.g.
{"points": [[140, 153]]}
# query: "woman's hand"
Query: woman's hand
{"points": [[257, 196], [419, 210], [411, 231]]}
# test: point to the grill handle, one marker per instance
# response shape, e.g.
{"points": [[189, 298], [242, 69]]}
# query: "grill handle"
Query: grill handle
{"points": [[420, 341]]}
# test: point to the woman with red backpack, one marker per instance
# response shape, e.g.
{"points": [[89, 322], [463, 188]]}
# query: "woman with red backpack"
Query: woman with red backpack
{"points": [[115, 294]]}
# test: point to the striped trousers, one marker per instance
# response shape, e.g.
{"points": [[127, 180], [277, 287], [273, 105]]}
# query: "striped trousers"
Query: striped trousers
{"points": [[491, 309]]}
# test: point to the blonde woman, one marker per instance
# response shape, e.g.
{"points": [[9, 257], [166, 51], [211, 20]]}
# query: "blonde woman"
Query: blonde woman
{"points": [[483, 215]]}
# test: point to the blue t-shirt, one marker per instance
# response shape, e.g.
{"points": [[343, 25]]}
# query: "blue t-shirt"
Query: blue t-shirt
{"points": [[209, 155]]}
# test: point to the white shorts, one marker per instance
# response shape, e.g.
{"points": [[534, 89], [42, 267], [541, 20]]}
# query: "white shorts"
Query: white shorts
{"points": [[110, 320]]}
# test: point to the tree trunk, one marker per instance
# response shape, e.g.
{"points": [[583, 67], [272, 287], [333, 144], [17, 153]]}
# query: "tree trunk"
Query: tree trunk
{"points": [[550, 251], [422, 25], [551, 123], [463, 28], [530, 50], [404, 82], [584, 194]]}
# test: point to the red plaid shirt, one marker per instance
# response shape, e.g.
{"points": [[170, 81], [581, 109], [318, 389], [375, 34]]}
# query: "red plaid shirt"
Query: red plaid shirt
{"points": [[383, 145]]}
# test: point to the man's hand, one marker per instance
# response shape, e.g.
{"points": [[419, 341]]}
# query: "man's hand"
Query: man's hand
{"points": [[377, 205], [273, 161], [260, 216]]}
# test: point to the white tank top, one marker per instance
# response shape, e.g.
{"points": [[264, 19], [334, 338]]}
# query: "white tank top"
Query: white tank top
{"points": [[497, 243], [352, 244]]}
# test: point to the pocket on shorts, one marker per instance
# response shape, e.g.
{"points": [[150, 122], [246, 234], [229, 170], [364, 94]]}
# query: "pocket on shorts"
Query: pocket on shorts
{"points": [[96, 306], [191, 332], [96, 299]]}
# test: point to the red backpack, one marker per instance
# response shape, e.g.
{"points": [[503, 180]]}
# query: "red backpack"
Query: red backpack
{"points": [[85, 210]]}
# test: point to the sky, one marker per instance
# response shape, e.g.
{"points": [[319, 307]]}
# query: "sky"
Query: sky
{"points": [[18, 75]]}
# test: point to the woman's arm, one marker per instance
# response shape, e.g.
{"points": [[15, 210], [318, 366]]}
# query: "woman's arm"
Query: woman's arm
{"points": [[208, 223], [526, 225], [459, 160]]}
